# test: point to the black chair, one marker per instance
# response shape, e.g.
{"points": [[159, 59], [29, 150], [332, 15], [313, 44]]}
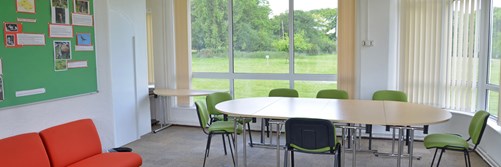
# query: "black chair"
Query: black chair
{"points": [[307, 135]]}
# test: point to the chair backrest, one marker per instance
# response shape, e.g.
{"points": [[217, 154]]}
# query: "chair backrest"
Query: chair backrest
{"points": [[203, 115], [332, 94], [71, 142], [389, 95], [23, 150], [310, 133], [477, 126], [214, 99], [283, 92]]}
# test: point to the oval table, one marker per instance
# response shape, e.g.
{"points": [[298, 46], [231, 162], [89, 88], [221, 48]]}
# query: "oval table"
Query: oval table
{"points": [[397, 114]]}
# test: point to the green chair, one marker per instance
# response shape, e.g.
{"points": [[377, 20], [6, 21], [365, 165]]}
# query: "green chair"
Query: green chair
{"points": [[307, 135], [278, 92], [386, 95], [283, 92], [456, 142], [332, 94], [219, 127], [212, 100], [215, 115]]}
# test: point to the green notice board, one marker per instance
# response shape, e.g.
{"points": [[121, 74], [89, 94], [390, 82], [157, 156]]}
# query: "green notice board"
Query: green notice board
{"points": [[47, 50]]}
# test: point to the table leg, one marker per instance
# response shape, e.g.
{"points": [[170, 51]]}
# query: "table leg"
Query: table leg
{"points": [[354, 145], [165, 105], [400, 145], [278, 144], [343, 145], [244, 149], [411, 145], [235, 141]]}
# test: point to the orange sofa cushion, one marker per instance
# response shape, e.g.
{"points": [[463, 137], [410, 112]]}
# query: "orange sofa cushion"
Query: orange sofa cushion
{"points": [[71, 142], [23, 150], [114, 159]]}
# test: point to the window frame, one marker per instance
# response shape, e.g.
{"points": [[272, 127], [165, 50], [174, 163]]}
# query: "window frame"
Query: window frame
{"points": [[291, 76]]}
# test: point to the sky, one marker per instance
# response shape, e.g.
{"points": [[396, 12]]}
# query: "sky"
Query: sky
{"points": [[280, 6]]}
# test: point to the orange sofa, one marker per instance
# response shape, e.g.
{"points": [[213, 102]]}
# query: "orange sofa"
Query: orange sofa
{"points": [[74, 144]]}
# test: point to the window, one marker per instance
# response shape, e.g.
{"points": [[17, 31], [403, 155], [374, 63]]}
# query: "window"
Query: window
{"points": [[452, 60], [493, 61], [244, 45]]}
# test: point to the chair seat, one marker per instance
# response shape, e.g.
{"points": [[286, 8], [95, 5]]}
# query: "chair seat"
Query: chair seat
{"points": [[224, 126], [118, 159], [449, 141]]}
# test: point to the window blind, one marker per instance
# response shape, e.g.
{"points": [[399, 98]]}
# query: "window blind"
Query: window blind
{"points": [[439, 59]]}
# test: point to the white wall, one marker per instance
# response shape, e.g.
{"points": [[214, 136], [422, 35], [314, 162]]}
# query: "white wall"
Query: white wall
{"points": [[127, 29], [376, 63], [98, 106]]}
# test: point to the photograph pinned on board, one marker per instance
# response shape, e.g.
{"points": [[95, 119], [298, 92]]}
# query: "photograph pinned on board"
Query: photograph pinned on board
{"points": [[10, 40], [60, 65], [12, 27], [59, 3], [81, 6], [60, 12], [25, 6], [62, 50], [60, 16], [84, 39]]}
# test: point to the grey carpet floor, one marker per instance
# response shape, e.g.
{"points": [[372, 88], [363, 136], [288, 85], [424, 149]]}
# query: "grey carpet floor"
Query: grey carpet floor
{"points": [[181, 146]]}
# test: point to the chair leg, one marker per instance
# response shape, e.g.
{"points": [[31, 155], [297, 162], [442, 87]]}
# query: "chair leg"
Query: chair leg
{"points": [[339, 156], [369, 129], [468, 155], [207, 148], [440, 157], [434, 155], [231, 148], [267, 124], [286, 157], [250, 134], [292, 158], [224, 146]]}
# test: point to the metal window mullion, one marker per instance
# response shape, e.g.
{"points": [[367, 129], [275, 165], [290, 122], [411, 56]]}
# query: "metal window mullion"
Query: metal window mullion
{"points": [[291, 43], [231, 53], [485, 42], [265, 76]]}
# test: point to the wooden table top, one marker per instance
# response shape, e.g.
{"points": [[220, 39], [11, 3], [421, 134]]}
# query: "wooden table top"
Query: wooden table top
{"points": [[347, 111]]}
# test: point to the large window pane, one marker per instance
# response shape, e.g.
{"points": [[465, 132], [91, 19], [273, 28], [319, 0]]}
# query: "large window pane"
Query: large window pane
{"points": [[258, 35], [257, 88], [494, 62], [315, 36], [209, 35], [493, 103], [311, 88], [210, 84]]}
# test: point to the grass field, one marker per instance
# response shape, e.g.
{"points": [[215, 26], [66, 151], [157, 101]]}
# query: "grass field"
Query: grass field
{"points": [[318, 64]]}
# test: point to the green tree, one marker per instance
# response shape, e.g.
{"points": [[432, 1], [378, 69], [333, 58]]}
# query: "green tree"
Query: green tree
{"points": [[300, 43], [209, 24], [251, 25]]}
